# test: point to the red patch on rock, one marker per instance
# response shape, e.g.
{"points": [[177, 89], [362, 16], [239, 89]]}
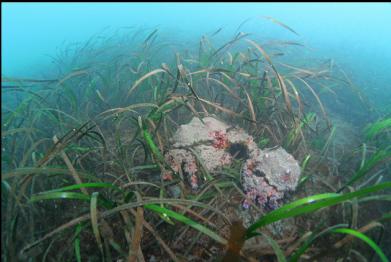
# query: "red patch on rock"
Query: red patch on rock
{"points": [[220, 139]]}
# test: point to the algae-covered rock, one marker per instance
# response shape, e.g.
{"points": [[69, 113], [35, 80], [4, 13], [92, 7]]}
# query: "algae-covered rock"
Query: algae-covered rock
{"points": [[197, 131], [266, 174], [269, 175]]}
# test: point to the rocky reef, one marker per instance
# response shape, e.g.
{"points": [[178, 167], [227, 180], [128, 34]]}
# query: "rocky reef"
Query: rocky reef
{"points": [[268, 176], [265, 176]]}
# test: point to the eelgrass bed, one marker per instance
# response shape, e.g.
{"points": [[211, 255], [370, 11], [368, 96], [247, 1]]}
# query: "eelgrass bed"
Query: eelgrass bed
{"points": [[82, 155]]}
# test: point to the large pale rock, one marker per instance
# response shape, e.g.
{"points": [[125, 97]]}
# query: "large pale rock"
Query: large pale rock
{"points": [[269, 175], [197, 132], [266, 174]]}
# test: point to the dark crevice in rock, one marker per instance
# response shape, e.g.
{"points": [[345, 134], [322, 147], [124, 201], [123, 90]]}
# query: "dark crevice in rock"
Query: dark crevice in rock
{"points": [[238, 151], [260, 174]]}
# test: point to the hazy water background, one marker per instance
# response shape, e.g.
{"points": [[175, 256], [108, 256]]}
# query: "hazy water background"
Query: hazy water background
{"points": [[356, 35]]}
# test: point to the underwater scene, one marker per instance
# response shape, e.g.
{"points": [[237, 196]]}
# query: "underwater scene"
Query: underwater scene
{"points": [[196, 132]]}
